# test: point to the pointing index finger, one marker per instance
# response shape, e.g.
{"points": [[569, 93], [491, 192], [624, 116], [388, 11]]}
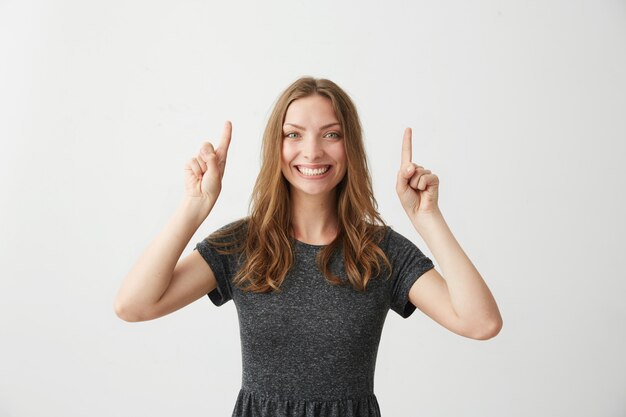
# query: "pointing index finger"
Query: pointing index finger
{"points": [[226, 134], [406, 145]]}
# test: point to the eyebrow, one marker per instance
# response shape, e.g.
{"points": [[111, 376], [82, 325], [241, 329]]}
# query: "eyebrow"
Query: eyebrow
{"points": [[322, 128]]}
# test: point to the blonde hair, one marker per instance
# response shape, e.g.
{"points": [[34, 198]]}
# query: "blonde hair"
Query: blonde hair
{"points": [[264, 236]]}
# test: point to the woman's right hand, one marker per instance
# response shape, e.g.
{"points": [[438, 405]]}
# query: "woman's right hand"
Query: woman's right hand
{"points": [[204, 172]]}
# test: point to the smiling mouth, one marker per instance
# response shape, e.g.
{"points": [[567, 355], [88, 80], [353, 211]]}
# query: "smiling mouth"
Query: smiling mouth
{"points": [[312, 172]]}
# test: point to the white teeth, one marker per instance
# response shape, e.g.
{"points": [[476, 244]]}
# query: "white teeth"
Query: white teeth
{"points": [[308, 171]]}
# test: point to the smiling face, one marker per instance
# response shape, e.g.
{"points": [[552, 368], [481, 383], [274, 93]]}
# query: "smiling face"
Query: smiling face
{"points": [[313, 158]]}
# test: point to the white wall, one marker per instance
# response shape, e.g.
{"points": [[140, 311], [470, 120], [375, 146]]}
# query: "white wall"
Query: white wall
{"points": [[518, 107]]}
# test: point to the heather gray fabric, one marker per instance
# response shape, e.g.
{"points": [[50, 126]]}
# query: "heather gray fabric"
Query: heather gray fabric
{"points": [[310, 351]]}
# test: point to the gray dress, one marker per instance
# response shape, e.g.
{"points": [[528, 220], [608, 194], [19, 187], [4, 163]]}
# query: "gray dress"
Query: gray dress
{"points": [[310, 350]]}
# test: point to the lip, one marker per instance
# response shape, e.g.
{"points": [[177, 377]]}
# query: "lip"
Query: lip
{"points": [[311, 166]]}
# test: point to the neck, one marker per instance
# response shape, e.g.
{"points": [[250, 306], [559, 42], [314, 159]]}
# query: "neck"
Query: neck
{"points": [[314, 218]]}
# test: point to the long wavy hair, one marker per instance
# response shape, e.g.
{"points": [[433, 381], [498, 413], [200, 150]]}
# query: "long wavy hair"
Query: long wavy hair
{"points": [[264, 237]]}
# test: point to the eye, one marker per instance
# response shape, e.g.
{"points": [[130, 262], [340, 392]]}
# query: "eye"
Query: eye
{"points": [[333, 135], [291, 135]]}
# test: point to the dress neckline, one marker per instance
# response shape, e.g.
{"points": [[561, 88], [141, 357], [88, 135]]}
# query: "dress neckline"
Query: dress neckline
{"points": [[304, 244], [311, 245]]}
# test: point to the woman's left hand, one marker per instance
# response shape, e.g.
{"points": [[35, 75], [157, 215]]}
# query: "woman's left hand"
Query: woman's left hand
{"points": [[416, 186]]}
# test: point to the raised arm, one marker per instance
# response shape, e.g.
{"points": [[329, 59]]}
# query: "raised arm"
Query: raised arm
{"points": [[158, 283], [462, 301]]}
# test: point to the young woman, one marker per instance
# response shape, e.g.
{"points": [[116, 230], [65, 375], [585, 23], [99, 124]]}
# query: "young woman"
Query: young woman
{"points": [[313, 269]]}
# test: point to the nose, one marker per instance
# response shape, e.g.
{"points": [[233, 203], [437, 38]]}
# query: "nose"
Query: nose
{"points": [[312, 149]]}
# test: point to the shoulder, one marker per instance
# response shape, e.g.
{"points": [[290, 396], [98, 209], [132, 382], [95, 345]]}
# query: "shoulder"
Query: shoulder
{"points": [[238, 224], [230, 236], [393, 240]]}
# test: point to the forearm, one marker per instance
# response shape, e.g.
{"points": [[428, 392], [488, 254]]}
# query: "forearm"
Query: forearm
{"points": [[151, 275], [470, 296]]}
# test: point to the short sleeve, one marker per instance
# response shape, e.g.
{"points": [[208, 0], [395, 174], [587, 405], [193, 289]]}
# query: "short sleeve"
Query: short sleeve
{"points": [[224, 267], [408, 264]]}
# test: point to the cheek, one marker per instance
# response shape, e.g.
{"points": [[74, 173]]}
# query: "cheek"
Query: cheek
{"points": [[285, 159], [339, 153], [342, 158], [287, 153]]}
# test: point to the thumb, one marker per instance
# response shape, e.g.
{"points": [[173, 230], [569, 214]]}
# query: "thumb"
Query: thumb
{"points": [[404, 176], [212, 170]]}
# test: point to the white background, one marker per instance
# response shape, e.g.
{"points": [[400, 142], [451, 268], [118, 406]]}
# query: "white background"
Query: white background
{"points": [[518, 107]]}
